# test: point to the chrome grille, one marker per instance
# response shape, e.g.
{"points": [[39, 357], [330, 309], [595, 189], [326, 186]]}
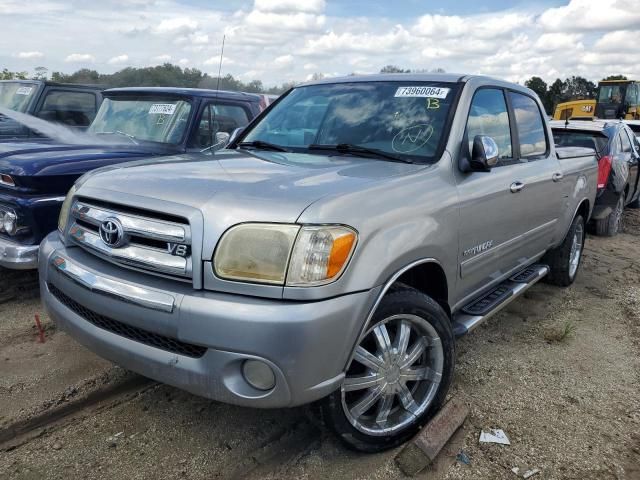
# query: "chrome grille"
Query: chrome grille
{"points": [[147, 240]]}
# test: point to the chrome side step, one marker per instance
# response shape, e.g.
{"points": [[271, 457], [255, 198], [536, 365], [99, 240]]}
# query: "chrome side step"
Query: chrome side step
{"points": [[472, 315]]}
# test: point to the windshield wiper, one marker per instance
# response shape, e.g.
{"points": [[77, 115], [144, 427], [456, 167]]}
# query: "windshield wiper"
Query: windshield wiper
{"points": [[358, 150], [118, 132], [260, 145]]}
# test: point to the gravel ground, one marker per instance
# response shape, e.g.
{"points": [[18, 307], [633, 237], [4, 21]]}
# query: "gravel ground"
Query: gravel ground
{"points": [[558, 371]]}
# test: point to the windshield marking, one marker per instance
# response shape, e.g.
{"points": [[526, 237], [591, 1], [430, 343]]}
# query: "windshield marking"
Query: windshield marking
{"points": [[422, 91], [24, 91], [162, 108], [412, 138]]}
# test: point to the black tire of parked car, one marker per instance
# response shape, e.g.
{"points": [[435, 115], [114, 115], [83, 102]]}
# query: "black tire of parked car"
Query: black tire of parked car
{"points": [[400, 300], [17, 283], [610, 225], [559, 259]]}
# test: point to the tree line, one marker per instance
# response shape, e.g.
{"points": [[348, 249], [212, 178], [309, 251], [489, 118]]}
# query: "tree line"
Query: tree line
{"points": [[169, 75]]}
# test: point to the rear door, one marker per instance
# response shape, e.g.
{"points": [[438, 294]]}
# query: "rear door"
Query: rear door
{"points": [[506, 214], [631, 154]]}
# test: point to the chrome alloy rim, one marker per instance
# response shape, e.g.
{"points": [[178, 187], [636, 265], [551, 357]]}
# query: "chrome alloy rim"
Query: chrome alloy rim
{"points": [[576, 250], [394, 375]]}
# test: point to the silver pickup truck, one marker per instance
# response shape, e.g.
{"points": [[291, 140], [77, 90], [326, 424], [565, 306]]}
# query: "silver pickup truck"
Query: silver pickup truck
{"points": [[333, 252]]}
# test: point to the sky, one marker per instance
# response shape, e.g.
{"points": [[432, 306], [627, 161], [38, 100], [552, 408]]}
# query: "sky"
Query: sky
{"points": [[280, 41]]}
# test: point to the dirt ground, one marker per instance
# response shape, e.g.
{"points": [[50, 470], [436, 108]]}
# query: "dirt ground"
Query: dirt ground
{"points": [[558, 371]]}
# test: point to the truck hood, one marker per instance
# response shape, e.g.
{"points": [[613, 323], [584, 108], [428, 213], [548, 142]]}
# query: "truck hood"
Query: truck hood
{"points": [[242, 186], [53, 167]]}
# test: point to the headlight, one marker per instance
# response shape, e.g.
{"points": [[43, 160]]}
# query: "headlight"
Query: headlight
{"points": [[255, 252], [63, 219], [284, 254], [9, 222]]}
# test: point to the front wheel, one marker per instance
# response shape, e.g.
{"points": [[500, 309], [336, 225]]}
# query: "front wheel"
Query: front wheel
{"points": [[565, 259], [399, 376]]}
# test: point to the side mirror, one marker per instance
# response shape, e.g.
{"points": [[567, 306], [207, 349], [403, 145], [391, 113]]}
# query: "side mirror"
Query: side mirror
{"points": [[484, 155], [222, 139], [235, 134]]}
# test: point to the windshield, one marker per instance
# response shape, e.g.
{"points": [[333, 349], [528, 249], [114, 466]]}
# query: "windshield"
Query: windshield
{"points": [[611, 93], [16, 95], [153, 119], [403, 119]]}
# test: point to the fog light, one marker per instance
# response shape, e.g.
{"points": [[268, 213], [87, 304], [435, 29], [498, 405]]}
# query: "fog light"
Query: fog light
{"points": [[10, 223], [258, 374]]}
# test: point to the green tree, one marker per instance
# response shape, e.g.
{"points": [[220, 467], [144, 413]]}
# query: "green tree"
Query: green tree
{"points": [[616, 77], [577, 88], [40, 73], [540, 87], [555, 94], [393, 69]]}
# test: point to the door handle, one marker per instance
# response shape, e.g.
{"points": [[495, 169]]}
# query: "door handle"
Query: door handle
{"points": [[516, 187], [556, 177]]}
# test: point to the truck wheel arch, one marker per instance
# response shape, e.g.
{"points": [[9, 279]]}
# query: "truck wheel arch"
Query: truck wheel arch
{"points": [[413, 275]]}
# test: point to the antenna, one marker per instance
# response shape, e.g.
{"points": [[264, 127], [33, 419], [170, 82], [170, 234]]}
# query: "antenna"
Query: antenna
{"points": [[212, 119], [220, 65]]}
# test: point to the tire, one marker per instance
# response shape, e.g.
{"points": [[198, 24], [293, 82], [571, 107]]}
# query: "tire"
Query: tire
{"points": [[564, 262], [609, 226], [401, 312], [18, 283]]}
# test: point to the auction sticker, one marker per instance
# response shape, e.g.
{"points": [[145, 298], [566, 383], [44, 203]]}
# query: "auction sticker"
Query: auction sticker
{"points": [[431, 92], [164, 108], [24, 91]]}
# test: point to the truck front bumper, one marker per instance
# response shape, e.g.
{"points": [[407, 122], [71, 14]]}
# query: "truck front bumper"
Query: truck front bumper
{"points": [[18, 257], [198, 340]]}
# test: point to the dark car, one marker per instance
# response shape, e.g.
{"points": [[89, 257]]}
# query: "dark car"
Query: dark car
{"points": [[131, 123], [73, 105], [618, 152]]}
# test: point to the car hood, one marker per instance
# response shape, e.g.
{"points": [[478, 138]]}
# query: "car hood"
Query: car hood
{"points": [[23, 159], [241, 186]]}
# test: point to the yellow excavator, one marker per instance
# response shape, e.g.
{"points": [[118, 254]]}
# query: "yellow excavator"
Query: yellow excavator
{"points": [[614, 99]]}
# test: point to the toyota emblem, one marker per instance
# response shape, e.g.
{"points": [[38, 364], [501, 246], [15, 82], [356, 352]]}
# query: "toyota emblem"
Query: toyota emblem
{"points": [[112, 233]]}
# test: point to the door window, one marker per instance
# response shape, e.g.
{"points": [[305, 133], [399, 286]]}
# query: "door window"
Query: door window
{"points": [[625, 142], [215, 119], [76, 109], [531, 133], [489, 116]]}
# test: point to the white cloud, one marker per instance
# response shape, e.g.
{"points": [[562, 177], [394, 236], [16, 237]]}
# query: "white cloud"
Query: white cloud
{"points": [[287, 6], [118, 60], [80, 58], [280, 41], [583, 15], [618, 41], [177, 25], [29, 55], [283, 60], [556, 41]]}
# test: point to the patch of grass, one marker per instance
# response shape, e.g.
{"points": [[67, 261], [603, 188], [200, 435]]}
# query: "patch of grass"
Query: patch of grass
{"points": [[559, 335]]}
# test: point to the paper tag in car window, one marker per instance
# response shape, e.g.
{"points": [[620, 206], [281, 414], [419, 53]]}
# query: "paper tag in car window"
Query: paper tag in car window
{"points": [[24, 91], [422, 91], [164, 108]]}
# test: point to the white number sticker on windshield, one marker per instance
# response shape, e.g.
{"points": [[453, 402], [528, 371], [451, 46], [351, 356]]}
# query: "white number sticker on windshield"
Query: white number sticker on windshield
{"points": [[164, 108], [431, 92], [24, 91]]}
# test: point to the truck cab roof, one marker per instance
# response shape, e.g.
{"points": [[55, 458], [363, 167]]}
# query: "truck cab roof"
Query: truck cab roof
{"points": [[183, 92]]}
